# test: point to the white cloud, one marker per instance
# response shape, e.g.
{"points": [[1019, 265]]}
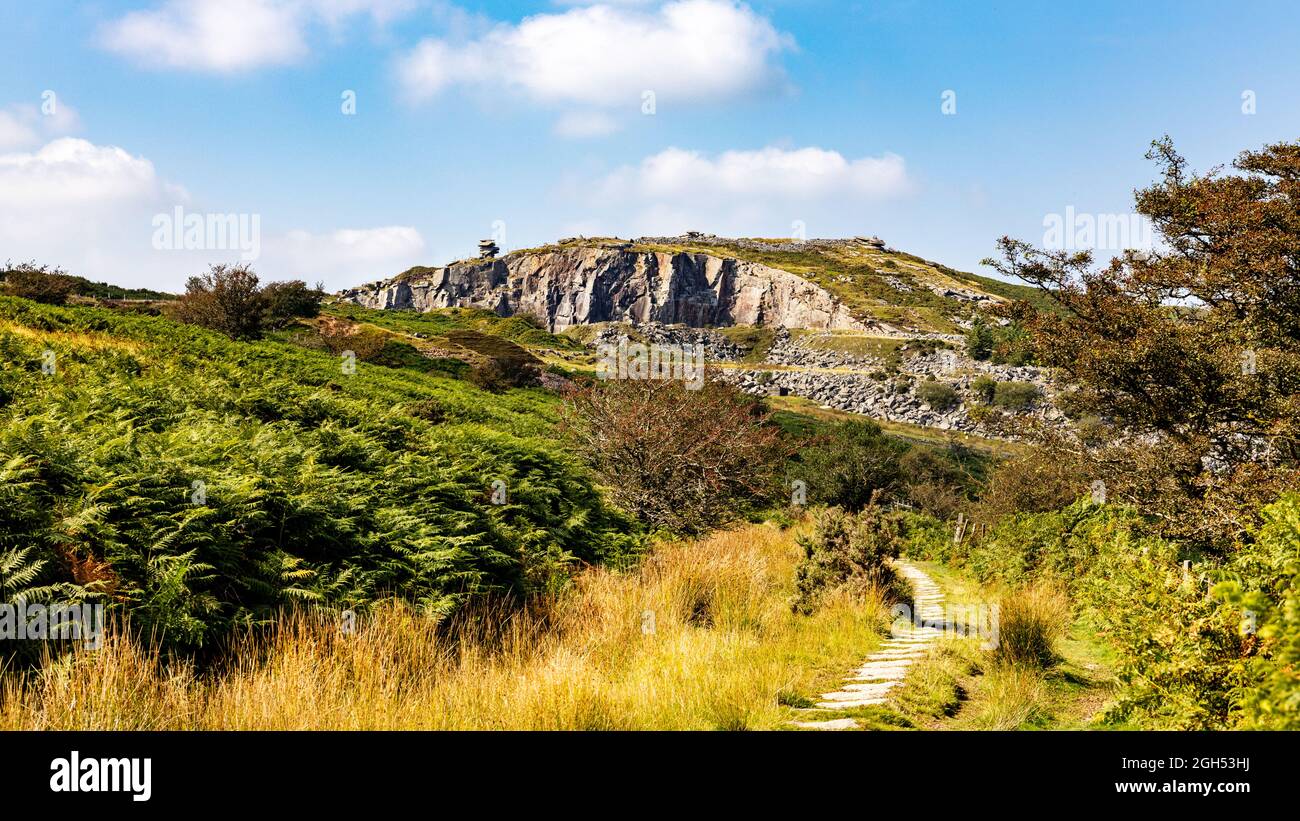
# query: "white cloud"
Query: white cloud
{"points": [[69, 172], [603, 55], [234, 35], [345, 257], [90, 209], [24, 126], [580, 124], [84, 207], [15, 132], [765, 192], [804, 174]]}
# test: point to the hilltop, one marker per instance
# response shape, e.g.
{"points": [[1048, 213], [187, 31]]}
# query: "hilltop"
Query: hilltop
{"points": [[706, 281]]}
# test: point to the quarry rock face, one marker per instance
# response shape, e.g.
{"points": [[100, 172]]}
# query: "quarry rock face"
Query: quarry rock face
{"points": [[574, 286]]}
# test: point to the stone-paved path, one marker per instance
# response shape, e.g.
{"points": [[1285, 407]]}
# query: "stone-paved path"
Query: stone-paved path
{"points": [[885, 668]]}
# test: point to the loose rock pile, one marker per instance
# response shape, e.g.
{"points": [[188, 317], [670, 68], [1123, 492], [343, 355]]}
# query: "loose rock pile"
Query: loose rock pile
{"points": [[850, 382], [717, 348]]}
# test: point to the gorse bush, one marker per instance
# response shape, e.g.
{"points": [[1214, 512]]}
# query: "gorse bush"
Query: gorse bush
{"points": [[1015, 395], [845, 464], [849, 549], [198, 483], [849, 464], [937, 395]]}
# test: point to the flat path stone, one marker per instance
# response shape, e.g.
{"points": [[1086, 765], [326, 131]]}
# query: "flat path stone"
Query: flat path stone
{"points": [[829, 724], [887, 666]]}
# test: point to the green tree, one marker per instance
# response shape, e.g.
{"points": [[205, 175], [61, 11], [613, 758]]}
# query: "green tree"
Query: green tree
{"points": [[979, 339], [1195, 347]]}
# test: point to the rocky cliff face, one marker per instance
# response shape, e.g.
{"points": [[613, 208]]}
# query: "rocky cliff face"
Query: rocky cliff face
{"points": [[576, 285]]}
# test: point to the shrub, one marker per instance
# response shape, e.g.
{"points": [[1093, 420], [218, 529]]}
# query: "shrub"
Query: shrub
{"points": [[925, 537], [1263, 592], [286, 301], [1030, 622], [39, 283], [497, 375], [937, 481], [938, 395], [846, 467], [984, 388], [979, 339], [1015, 395], [846, 548], [1033, 482], [225, 299], [682, 460], [1178, 652]]}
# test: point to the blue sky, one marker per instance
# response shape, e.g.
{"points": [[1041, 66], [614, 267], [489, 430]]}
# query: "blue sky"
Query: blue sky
{"points": [[530, 117]]}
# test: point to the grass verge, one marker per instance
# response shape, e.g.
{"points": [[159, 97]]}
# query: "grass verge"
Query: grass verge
{"points": [[700, 636]]}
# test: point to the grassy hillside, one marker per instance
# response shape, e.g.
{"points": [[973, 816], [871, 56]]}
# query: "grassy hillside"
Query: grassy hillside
{"points": [[200, 483], [890, 286]]}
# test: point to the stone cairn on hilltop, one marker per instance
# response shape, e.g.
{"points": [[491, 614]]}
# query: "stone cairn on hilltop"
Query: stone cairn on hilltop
{"points": [[487, 249]]}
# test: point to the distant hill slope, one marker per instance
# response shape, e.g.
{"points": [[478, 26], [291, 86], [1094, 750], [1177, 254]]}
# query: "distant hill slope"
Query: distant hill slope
{"points": [[702, 281]]}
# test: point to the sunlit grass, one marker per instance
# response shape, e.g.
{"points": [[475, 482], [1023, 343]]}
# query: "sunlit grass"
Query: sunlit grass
{"points": [[701, 636]]}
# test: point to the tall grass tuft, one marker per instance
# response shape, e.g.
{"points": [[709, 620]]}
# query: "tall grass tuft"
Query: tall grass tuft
{"points": [[1031, 621]]}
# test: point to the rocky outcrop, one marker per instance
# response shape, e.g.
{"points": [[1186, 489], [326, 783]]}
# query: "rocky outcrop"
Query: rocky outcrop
{"points": [[567, 286]]}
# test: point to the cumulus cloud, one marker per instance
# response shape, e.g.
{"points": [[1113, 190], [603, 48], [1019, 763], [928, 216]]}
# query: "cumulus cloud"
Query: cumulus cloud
{"points": [[93, 210], [70, 172], [607, 56], [344, 257], [803, 173], [768, 191], [233, 35], [15, 132], [82, 206]]}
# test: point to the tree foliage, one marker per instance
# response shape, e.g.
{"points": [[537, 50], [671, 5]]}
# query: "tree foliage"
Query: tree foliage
{"points": [[228, 299], [1193, 349], [39, 283], [678, 459]]}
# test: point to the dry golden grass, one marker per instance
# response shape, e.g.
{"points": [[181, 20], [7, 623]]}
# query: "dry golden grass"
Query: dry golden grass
{"points": [[1009, 697], [724, 651], [1031, 622]]}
